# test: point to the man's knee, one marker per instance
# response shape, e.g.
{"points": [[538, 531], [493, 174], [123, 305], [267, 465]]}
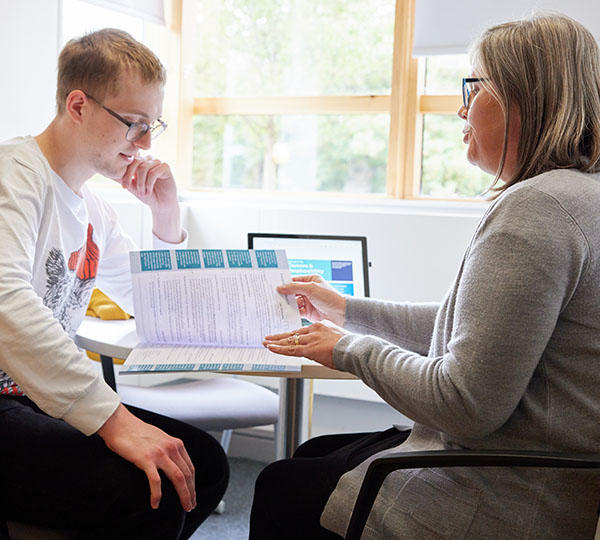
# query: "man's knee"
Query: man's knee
{"points": [[210, 463], [168, 519], [205, 452], [170, 505]]}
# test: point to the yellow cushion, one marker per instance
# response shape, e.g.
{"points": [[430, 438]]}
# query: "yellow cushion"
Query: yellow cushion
{"points": [[103, 307]]}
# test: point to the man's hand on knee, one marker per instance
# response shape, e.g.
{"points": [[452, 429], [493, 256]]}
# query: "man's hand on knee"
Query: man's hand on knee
{"points": [[151, 449]]}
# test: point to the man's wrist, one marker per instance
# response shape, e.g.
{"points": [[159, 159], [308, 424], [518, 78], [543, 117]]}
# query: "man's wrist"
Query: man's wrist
{"points": [[166, 225], [112, 422], [174, 238]]}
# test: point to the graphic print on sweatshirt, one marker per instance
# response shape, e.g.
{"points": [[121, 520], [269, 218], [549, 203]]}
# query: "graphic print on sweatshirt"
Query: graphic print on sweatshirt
{"points": [[69, 283]]}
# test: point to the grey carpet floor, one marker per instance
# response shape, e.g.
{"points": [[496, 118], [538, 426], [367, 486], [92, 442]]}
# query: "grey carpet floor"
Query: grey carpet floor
{"points": [[233, 523]]}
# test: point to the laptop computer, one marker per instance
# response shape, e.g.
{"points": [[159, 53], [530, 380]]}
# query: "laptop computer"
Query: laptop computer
{"points": [[341, 260]]}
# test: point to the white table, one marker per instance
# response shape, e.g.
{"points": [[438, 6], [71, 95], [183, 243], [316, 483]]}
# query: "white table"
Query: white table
{"points": [[115, 339]]}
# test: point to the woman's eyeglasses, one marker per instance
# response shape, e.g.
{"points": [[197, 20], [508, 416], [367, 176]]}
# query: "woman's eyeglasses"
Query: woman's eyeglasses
{"points": [[469, 89]]}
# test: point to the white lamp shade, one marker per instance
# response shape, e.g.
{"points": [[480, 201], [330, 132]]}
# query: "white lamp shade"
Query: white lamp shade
{"points": [[443, 27]]}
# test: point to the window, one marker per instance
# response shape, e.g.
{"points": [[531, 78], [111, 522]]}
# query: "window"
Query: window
{"points": [[445, 171], [302, 95], [319, 96], [280, 90]]}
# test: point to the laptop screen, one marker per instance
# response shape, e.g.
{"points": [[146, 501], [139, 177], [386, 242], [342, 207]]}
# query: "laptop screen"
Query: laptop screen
{"points": [[341, 260]]}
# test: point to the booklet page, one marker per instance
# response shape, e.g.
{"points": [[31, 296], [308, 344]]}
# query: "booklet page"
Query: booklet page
{"points": [[211, 297], [157, 358]]}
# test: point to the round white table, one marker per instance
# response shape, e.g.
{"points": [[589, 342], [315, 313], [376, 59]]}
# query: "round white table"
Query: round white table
{"points": [[116, 339]]}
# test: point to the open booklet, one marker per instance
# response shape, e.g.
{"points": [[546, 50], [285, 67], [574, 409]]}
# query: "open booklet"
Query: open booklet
{"points": [[209, 309]]}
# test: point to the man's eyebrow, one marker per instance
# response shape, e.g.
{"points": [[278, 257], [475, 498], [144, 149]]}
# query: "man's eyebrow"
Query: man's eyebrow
{"points": [[141, 114]]}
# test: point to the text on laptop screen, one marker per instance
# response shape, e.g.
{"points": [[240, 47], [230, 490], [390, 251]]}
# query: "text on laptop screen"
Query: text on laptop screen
{"points": [[341, 261]]}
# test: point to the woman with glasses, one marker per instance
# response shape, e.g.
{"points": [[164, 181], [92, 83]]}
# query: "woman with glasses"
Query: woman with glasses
{"points": [[510, 359]]}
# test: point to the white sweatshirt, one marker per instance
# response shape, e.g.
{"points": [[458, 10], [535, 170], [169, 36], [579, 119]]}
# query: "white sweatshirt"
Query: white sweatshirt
{"points": [[55, 246]]}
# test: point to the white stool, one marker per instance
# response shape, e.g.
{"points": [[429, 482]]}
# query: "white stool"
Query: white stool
{"points": [[217, 404]]}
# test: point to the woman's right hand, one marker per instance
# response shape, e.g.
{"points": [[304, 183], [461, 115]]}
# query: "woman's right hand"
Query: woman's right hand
{"points": [[317, 300]]}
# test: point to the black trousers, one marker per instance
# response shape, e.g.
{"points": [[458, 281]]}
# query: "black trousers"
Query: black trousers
{"points": [[290, 494], [53, 476]]}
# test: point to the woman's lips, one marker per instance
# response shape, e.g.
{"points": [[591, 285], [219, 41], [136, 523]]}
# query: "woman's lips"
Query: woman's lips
{"points": [[467, 133]]}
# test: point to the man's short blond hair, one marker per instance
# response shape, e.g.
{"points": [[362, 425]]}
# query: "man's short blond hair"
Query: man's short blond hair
{"points": [[95, 62]]}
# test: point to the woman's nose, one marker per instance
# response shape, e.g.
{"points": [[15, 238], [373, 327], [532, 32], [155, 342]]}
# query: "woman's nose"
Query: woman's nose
{"points": [[462, 112]]}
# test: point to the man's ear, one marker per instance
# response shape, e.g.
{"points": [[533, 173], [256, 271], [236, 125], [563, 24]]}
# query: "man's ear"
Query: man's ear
{"points": [[76, 105]]}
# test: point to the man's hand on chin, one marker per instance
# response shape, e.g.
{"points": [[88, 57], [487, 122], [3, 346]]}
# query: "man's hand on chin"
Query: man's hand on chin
{"points": [[152, 182]]}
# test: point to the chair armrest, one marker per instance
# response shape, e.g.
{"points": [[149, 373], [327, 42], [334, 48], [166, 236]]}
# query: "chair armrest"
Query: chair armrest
{"points": [[380, 468], [108, 371]]}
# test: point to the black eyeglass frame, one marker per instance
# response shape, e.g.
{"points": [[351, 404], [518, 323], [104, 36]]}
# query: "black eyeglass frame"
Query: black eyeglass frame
{"points": [[159, 125], [466, 93]]}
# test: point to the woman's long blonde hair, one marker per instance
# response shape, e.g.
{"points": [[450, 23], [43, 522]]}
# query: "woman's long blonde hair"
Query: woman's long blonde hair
{"points": [[549, 66]]}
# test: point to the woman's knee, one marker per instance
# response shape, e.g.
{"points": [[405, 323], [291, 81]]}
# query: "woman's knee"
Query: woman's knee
{"points": [[325, 444], [272, 479]]}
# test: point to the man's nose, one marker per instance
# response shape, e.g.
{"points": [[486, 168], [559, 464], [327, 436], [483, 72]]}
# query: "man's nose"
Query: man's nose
{"points": [[144, 142]]}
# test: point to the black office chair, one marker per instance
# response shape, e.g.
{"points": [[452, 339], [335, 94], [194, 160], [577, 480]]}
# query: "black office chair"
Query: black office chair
{"points": [[24, 531], [381, 467]]}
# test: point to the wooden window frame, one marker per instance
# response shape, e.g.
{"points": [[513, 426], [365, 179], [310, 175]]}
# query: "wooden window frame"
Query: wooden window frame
{"points": [[405, 105]]}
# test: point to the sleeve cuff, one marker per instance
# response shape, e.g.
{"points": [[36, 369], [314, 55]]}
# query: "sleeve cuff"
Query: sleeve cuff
{"points": [[89, 413], [340, 350], [356, 308], [157, 243]]}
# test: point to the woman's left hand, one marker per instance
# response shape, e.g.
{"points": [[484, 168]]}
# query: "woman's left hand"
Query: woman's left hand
{"points": [[315, 342]]}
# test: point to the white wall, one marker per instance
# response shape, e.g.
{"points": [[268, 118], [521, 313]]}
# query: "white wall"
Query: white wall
{"points": [[29, 32], [414, 247]]}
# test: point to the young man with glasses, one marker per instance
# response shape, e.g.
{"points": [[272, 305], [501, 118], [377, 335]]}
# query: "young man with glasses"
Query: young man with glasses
{"points": [[73, 456]]}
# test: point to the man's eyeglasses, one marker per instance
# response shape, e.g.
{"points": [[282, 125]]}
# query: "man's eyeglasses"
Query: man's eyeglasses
{"points": [[469, 89], [135, 130]]}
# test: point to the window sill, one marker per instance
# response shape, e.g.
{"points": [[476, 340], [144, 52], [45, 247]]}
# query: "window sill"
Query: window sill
{"points": [[310, 201], [344, 202]]}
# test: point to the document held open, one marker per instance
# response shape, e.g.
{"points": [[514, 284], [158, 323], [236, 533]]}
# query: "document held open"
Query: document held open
{"points": [[209, 309]]}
